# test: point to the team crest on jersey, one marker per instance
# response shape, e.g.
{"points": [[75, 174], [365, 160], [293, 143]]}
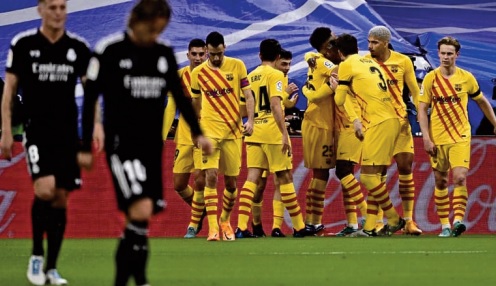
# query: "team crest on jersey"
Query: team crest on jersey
{"points": [[279, 86], [394, 69], [34, 53], [230, 77], [71, 55], [328, 64], [458, 87], [162, 65]]}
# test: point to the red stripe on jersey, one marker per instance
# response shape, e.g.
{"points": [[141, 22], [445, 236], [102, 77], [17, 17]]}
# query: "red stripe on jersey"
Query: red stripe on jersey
{"points": [[445, 110], [216, 108], [363, 106], [185, 82], [441, 118], [396, 94], [445, 95], [218, 87], [228, 99], [459, 101]]}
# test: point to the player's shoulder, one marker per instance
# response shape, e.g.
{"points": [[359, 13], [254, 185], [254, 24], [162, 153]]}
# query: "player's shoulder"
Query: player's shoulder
{"points": [[109, 42], [233, 61], [464, 73], [324, 62], [429, 77], [24, 37], [77, 39]]}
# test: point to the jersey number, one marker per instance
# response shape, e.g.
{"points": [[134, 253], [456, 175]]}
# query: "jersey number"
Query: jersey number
{"points": [[382, 85], [327, 151], [264, 100], [135, 173]]}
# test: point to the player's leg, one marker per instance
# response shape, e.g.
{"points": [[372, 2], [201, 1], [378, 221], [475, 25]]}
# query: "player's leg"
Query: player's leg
{"points": [[231, 159], [138, 185], [440, 168], [256, 208], [183, 166], [210, 165], [459, 156], [198, 212], [352, 196], [403, 155], [281, 164], [278, 211], [378, 147], [246, 200]]}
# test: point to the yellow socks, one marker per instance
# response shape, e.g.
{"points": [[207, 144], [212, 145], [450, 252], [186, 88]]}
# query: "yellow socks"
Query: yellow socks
{"points": [[211, 202], [197, 207], [245, 203], [407, 194], [288, 197]]}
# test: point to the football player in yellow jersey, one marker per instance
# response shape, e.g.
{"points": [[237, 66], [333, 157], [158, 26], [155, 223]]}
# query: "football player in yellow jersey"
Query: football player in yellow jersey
{"points": [[447, 138], [398, 71], [216, 86], [187, 157], [272, 152], [378, 127], [348, 153], [283, 63], [317, 130]]}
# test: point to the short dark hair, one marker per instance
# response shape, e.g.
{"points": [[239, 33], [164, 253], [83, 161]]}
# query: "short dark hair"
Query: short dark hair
{"points": [[215, 39], [347, 44], [450, 41], [269, 50], [196, 43], [285, 54], [146, 10], [319, 36]]}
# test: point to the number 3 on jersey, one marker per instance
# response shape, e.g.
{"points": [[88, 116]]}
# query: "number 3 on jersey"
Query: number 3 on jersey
{"points": [[382, 85]]}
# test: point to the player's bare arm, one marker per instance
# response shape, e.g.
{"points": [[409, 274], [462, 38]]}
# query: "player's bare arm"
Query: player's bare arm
{"points": [[275, 106], [429, 146], [250, 109], [7, 140]]}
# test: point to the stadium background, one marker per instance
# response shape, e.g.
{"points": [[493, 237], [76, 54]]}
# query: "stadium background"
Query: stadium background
{"points": [[416, 27]]}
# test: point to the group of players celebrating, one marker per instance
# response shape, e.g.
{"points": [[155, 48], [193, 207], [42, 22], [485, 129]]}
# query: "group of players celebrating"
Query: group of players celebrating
{"points": [[355, 115]]}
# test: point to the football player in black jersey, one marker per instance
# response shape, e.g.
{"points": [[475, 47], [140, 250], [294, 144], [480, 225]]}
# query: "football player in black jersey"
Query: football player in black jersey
{"points": [[134, 71], [46, 63]]}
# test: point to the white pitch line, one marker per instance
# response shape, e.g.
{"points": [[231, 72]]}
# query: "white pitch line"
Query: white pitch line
{"points": [[372, 252]]}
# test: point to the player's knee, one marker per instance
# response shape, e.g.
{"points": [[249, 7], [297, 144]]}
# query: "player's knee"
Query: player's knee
{"points": [[284, 177], [44, 188], [459, 179], [141, 210], [343, 169]]}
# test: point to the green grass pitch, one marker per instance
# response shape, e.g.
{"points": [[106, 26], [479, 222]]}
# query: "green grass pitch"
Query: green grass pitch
{"points": [[397, 260]]}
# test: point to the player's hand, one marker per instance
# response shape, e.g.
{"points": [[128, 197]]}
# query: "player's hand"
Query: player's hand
{"points": [[312, 62], [98, 137], [430, 148], [286, 147], [247, 128], [357, 125], [333, 83], [292, 88], [6, 143], [294, 99], [204, 144], [85, 160]]}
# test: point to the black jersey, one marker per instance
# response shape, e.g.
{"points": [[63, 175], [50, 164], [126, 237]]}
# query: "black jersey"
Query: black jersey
{"points": [[134, 82], [47, 75]]}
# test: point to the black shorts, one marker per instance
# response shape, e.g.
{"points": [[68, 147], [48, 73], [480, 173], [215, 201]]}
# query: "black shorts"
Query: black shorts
{"points": [[53, 158], [136, 174]]}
